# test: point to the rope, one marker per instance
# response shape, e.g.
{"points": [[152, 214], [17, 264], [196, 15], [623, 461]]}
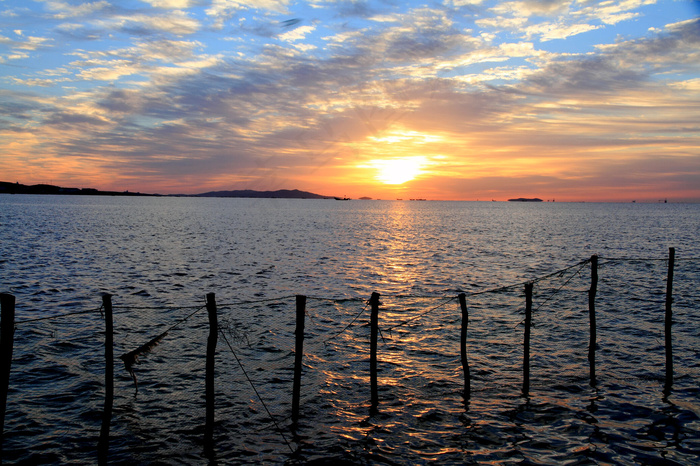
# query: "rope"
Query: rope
{"points": [[132, 357], [186, 318], [58, 316], [336, 300], [422, 314], [240, 364], [151, 308], [266, 300], [649, 259], [347, 326], [583, 264], [521, 284]]}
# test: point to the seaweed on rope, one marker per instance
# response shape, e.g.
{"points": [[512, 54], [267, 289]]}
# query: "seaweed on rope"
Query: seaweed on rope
{"points": [[132, 357]]}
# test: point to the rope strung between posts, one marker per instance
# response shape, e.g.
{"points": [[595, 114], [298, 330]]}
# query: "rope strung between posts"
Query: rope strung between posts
{"points": [[555, 292], [577, 272], [521, 284], [240, 364], [336, 300], [560, 273], [258, 301], [650, 259], [60, 316], [132, 357], [154, 308], [448, 300], [347, 326]]}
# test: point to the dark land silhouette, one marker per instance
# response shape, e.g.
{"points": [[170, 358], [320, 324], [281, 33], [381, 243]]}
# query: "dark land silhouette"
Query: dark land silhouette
{"points": [[18, 188]]}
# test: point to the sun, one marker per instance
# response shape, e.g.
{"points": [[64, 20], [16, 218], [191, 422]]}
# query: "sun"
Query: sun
{"points": [[398, 171]]}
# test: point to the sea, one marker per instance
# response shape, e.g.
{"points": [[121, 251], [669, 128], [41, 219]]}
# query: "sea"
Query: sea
{"points": [[159, 257]]}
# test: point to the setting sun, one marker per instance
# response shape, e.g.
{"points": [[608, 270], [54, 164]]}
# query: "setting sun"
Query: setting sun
{"points": [[398, 171]]}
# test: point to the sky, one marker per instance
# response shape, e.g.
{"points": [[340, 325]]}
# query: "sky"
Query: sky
{"points": [[444, 99]]}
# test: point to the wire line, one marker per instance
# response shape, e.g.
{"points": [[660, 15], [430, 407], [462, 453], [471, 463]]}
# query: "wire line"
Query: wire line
{"points": [[240, 364]]}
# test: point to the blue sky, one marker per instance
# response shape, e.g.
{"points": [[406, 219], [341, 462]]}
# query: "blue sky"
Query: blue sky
{"points": [[459, 99]]}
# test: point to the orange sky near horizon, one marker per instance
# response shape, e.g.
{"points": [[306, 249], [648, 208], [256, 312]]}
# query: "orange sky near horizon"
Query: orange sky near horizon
{"points": [[401, 164]]}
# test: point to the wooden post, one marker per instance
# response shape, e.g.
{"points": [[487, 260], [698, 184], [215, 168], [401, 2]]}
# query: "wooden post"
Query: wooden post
{"points": [[669, 321], [526, 345], [463, 346], [591, 317], [374, 333], [7, 336], [298, 354], [209, 375], [103, 443]]}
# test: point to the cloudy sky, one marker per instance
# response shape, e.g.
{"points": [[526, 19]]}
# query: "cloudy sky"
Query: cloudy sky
{"points": [[440, 99]]}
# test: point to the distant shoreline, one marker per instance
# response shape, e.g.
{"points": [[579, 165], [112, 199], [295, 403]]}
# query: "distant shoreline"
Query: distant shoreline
{"points": [[18, 188]]}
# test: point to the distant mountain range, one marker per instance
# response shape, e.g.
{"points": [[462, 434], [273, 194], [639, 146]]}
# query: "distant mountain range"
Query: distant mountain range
{"points": [[17, 188], [281, 193]]}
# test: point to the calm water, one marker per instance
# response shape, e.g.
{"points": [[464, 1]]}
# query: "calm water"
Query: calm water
{"points": [[158, 257]]}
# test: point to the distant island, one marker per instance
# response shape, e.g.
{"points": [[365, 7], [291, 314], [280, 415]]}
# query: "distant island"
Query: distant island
{"points": [[18, 188], [524, 199], [279, 194]]}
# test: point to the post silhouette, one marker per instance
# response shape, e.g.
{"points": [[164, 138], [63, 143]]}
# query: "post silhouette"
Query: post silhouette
{"points": [[526, 344], [103, 444], [7, 337], [669, 321], [463, 346], [591, 318], [374, 331], [298, 355], [209, 373]]}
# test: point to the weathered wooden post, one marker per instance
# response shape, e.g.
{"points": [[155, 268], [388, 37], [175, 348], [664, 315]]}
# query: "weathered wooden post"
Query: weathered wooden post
{"points": [[374, 333], [591, 318], [669, 321], [7, 336], [209, 373], [103, 443], [463, 345], [298, 354], [526, 344]]}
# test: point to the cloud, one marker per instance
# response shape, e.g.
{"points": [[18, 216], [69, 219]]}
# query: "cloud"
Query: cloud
{"points": [[612, 13], [221, 11], [72, 120], [622, 66], [19, 49], [297, 34], [80, 32], [105, 16], [532, 7], [64, 10], [174, 22], [551, 31], [152, 59], [171, 4], [500, 23]]}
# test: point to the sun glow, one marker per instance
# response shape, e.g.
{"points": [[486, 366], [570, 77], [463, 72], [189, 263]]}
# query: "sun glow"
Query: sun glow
{"points": [[398, 171]]}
